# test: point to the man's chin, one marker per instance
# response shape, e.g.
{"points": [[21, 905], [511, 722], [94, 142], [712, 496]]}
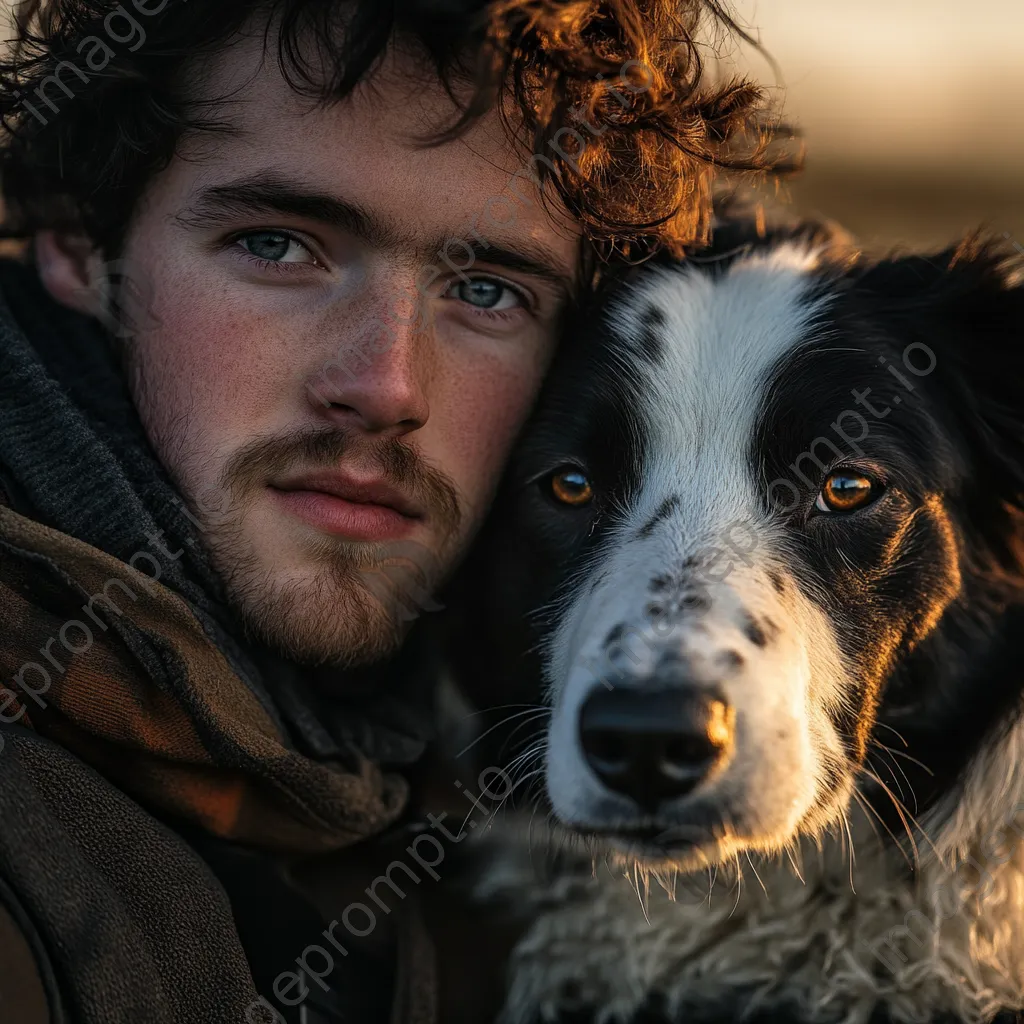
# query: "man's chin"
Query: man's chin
{"points": [[319, 600], [347, 610], [314, 627]]}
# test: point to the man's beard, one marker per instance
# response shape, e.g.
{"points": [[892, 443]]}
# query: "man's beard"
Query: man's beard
{"points": [[355, 601]]}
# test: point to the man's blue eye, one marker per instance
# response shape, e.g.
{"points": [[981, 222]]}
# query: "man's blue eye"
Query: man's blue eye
{"points": [[267, 245], [484, 293], [481, 293]]}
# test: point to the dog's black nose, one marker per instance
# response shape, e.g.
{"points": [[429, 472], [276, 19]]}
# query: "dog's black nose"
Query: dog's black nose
{"points": [[654, 746]]}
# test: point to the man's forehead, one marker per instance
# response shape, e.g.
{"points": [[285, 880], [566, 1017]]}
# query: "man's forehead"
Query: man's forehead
{"points": [[367, 152]]}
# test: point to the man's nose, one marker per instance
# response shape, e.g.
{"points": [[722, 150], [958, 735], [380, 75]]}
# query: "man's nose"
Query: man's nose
{"points": [[376, 380], [655, 745]]}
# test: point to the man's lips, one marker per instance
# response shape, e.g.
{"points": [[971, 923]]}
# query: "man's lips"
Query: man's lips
{"points": [[359, 509]]}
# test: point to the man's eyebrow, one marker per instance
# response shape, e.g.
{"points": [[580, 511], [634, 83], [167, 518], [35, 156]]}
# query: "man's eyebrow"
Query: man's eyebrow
{"points": [[268, 194]]}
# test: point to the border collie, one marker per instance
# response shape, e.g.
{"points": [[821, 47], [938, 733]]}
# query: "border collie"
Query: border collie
{"points": [[757, 575]]}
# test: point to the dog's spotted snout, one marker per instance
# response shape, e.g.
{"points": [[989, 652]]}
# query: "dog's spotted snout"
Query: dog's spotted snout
{"points": [[655, 746]]}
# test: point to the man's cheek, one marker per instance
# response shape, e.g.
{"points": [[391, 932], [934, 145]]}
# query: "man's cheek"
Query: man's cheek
{"points": [[484, 461], [193, 397], [211, 352]]}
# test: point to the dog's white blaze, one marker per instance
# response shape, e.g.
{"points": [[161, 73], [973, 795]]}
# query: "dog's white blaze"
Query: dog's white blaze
{"points": [[722, 338]]}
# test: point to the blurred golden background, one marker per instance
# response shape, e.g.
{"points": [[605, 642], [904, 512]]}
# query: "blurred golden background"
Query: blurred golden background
{"points": [[912, 111]]}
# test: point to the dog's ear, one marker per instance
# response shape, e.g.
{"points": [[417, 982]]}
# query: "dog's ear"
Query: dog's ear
{"points": [[962, 315]]}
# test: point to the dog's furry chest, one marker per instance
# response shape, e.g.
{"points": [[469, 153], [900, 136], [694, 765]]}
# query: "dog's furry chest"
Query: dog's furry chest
{"points": [[873, 946]]}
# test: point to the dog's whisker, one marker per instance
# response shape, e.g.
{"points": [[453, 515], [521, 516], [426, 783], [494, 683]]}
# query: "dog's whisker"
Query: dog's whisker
{"points": [[756, 875], [899, 735], [535, 711], [738, 884], [852, 855], [907, 757], [893, 765], [866, 804], [892, 773], [792, 861], [523, 760], [496, 707], [636, 886], [905, 816], [508, 796], [501, 803], [524, 724], [861, 801]]}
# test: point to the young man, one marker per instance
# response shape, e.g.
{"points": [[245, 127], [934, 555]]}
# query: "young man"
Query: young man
{"points": [[295, 277]]}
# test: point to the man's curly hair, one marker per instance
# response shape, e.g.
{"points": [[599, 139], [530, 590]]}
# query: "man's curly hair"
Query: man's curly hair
{"points": [[617, 84]]}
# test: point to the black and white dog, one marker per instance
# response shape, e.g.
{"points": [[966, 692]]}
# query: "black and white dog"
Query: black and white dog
{"points": [[759, 568]]}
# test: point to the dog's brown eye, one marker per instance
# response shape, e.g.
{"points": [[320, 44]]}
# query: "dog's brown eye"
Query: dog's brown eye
{"points": [[571, 487], [847, 492]]}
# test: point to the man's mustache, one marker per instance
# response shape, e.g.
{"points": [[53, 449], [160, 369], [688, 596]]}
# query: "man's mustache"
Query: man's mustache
{"points": [[400, 466]]}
